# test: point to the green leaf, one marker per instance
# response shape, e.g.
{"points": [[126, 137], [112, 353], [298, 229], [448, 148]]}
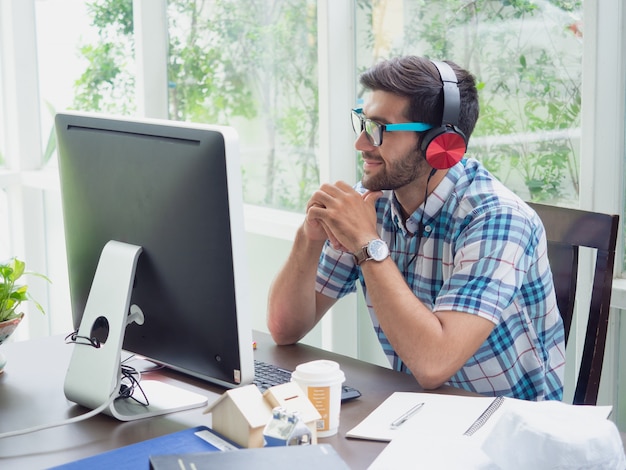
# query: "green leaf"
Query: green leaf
{"points": [[12, 294], [18, 269]]}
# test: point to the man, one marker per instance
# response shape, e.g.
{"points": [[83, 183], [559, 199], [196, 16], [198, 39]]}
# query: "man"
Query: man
{"points": [[453, 264]]}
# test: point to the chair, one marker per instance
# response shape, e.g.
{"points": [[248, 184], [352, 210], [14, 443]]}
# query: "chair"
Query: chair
{"points": [[567, 230]]}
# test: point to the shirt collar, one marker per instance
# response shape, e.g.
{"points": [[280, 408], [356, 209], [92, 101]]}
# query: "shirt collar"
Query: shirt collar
{"points": [[434, 202]]}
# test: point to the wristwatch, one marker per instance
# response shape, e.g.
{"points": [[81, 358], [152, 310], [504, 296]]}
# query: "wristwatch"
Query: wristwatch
{"points": [[376, 250]]}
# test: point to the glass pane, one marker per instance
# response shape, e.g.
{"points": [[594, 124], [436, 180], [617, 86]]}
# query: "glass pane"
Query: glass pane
{"points": [[63, 28], [105, 80], [5, 242], [3, 118], [252, 65], [527, 59]]}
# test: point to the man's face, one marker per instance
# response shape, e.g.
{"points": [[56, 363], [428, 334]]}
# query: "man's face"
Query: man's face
{"points": [[398, 160]]}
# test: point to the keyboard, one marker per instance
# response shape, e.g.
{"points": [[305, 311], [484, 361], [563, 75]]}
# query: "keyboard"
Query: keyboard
{"points": [[267, 375]]}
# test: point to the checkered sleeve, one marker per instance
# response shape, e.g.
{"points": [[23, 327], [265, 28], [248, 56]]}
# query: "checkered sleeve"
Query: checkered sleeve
{"points": [[491, 260], [501, 273], [336, 273]]}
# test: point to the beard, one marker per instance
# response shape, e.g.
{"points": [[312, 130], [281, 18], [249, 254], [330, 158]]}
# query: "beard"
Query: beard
{"points": [[396, 174]]}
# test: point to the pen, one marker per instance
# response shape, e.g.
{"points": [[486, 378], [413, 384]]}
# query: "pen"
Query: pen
{"points": [[405, 417]]}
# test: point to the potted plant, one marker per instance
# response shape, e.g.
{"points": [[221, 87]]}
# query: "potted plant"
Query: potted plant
{"points": [[12, 294]]}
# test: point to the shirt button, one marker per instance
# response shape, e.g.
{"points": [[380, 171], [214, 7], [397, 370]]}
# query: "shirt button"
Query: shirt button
{"points": [[428, 229]]}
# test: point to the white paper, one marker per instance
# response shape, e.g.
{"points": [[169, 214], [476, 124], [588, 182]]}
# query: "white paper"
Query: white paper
{"points": [[433, 451], [451, 414], [435, 438]]}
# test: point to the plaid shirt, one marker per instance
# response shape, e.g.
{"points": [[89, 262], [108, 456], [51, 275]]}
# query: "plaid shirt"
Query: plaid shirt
{"points": [[482, 251]]}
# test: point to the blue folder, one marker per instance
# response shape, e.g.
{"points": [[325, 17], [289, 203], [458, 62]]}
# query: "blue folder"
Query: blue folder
{"points": [[137, 456]]}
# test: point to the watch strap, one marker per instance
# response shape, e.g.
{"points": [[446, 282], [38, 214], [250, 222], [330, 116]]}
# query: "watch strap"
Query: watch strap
{"points": [[364, 254], [361, 255]]}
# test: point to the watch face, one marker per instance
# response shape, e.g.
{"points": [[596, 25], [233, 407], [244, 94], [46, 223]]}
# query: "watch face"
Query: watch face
{"points": [[378, 250]]}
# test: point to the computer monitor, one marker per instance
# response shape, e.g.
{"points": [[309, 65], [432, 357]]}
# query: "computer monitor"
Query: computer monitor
{"points": [[173, 189]]}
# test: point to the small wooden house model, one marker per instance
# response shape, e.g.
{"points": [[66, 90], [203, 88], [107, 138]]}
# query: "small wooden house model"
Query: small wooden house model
{"points": [[241, 414], [292, 398]]}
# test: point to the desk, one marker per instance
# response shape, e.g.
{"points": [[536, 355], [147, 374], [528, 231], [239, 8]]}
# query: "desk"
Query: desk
{"points": [[31, 393]]}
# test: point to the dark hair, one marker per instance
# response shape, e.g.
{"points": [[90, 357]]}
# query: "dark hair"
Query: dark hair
{"points": [[418, 79]]}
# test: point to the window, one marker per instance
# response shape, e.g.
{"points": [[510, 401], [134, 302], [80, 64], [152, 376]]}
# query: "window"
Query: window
{"points": [[259, 76], [62, 28], [5, 251], [104, 77], [2, 113], [266, 81], [527, 59]]}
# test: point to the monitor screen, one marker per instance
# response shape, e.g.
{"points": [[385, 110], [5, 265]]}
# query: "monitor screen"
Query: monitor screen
{"points": [[174, 189]]}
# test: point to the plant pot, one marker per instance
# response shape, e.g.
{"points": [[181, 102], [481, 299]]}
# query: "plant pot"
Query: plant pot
{"points": [[6, 329]]}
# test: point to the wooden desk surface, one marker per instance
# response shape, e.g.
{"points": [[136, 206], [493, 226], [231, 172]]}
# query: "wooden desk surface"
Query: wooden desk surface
{"points": [[31, 394]]}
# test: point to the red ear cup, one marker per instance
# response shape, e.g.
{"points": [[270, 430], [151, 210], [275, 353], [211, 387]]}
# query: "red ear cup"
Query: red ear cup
{"points": [[444, 147]]}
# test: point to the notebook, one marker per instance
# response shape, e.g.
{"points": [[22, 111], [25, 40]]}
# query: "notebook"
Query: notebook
{"points": [[456, 431], [453, 415]]}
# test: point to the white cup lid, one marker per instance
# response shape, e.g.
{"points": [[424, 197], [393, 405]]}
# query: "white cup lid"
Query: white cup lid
{"points": [[320, 370]]}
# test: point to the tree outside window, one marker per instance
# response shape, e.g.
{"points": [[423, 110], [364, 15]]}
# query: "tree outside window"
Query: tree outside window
{"points": [[527, 58], [244, 63], [253, 65]]}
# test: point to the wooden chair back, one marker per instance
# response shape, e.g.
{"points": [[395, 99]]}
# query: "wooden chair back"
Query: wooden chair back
{"points": [[567, 230]]}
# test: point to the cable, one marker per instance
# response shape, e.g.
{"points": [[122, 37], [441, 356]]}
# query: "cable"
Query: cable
{"points": [[129, 384], [126, 391], [75, 419]]}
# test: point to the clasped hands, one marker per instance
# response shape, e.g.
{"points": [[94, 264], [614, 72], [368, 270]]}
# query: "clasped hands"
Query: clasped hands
{"points": [[342, 215]]}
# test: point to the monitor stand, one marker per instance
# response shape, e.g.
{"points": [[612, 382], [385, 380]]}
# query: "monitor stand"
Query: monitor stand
{"points": [[94, 373]]}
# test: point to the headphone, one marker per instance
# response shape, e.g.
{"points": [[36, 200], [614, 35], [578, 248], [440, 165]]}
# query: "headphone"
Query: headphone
{"points": [[444, 146]]}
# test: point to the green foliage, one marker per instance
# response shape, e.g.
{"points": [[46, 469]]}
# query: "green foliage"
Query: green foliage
{"points": [[229, 60], [527, 60], [113, 15], [108, 84], [11, 293], [252, 64], [255, 60]]}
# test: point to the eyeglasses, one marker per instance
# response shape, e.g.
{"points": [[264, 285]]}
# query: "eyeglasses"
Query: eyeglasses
{"points": [[374, 130]]}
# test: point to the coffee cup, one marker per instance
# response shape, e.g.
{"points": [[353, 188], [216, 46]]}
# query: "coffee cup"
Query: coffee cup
{"points": [[321, 381]]}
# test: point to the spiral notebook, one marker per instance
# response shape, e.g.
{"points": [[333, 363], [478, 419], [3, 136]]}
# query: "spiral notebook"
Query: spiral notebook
{"points": [[451, 415], [449, 431], [446, 413]]}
